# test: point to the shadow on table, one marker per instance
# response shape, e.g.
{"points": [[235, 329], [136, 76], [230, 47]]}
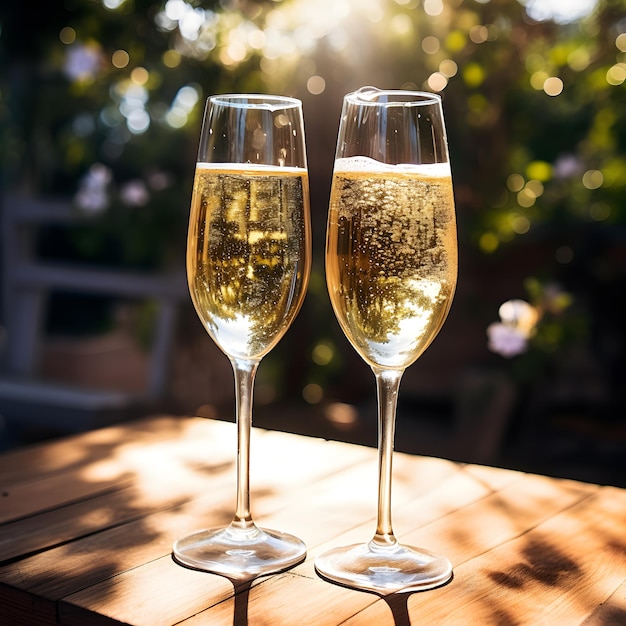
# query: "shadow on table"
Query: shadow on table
{"points": [[242, 601], [398, 603], [241, 596]]}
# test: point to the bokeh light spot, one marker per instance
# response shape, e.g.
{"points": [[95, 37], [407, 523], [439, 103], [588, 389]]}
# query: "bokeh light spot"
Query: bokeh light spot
{"points": [[515, 182], [535, 187], [489, 242], [430, 44], [120, 58], [433, 7], [593, 179], [538, 79], [313, 393], [521, 224], [322, 353], [539, 170], [448, 68], [256, 39], [526, 198], [437, 81], [561, 11], [616, 75], [579, 59], [67, 35], [343, 416], [479, 33], [473, 74], [112, 4], [455, 41], [553, 86], [401, 24], [138, 121], [139, 75], [316, 85], [176, 117], [172, 58]]}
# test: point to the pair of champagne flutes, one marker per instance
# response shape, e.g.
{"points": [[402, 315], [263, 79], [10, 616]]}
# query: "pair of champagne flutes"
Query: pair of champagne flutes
{"points": [[391, 268]]}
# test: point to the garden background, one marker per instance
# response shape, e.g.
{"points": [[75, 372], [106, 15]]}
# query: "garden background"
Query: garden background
{"points": [[100, 111]]}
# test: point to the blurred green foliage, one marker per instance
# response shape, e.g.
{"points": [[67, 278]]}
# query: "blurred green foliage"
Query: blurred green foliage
{"points": [[534, 109]]}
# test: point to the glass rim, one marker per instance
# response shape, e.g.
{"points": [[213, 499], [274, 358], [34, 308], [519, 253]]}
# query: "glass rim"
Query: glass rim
{"points": [[255, 101], [371, 96]]}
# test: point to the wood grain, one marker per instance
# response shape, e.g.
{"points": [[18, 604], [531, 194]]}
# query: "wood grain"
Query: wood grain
{"points": [[88, 523]]}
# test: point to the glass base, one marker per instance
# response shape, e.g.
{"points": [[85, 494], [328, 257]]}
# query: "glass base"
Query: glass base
{"points": [[239, 554], [387, 570]]}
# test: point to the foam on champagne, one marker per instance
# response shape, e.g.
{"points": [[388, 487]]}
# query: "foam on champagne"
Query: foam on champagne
{"points": [[365, 164], [253, 168]]}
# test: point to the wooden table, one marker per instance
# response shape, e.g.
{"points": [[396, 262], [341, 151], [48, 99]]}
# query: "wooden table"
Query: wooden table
{"points": [[87, 524]]}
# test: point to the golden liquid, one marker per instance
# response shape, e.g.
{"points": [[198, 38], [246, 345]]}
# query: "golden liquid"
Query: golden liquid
{"points": [[248, 253], [391, 259]]}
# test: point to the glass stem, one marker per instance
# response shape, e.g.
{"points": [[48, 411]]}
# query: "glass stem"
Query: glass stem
{"points": [[245, 372], [387, 385]]}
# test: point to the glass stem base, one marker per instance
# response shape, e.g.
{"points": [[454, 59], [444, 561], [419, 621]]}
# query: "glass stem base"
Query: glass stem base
{"points": [[239, 553], [386, 570]]}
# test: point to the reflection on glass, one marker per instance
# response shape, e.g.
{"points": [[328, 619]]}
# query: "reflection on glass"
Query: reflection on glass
{"points": [[248, 263], [391, 268]]}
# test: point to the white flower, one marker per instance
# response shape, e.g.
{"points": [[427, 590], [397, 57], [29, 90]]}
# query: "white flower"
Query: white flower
{"points": [[134, 193], [160, 181], [567, 166], [505, 340], [93, 194], [520, 315], [82, 62]]}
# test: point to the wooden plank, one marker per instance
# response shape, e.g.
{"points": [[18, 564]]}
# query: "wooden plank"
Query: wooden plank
{"points": [[20, 608], [611, 612], [511, 512], [493, 477], [70, 470], [22, 500], [288, 600], [143, 479], [309, 522], [63, 570], [431, 503], [327, 507], [141, 605], [464, 533], [53, 528], [42, 459], [526, 549], [324, 603], [104, 552], [100, 555], [443, 521], [557, 572], [57, 572]]}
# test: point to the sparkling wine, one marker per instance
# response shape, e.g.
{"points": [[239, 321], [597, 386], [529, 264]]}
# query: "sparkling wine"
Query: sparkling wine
{"points": [[391, 258], [247, 253]]}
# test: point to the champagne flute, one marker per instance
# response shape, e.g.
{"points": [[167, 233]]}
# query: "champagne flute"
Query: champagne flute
{"points": [[248, 264], [391, 268]]}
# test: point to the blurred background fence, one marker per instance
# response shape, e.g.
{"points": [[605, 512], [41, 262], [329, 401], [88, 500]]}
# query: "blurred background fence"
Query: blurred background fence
{"points": [[100, 110]]}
